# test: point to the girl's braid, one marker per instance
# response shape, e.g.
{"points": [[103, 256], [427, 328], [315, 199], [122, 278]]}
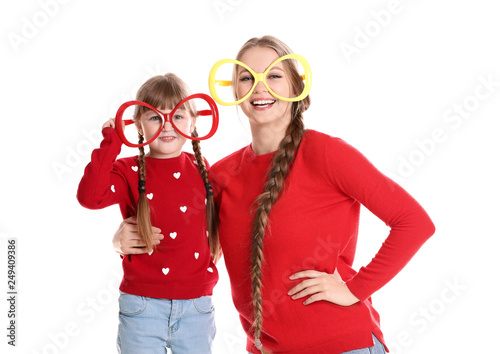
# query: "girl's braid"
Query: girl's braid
{"points": [[144, 225], [212, 219]]}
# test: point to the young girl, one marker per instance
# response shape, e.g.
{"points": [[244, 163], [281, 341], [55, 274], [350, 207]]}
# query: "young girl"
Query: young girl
{"points": [[165, 298]]}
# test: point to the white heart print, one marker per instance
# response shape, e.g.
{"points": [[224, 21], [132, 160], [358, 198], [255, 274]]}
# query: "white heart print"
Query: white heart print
{"points": [[113, 188], [196, 255], [135, 168], [183, 208], [150, 252], [177, 175], [173, 235], [149, 196], [165, 270], [210, 269]]}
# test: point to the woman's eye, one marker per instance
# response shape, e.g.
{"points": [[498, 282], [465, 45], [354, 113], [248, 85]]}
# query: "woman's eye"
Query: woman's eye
{"points": [[246, 78], [275, 76]]}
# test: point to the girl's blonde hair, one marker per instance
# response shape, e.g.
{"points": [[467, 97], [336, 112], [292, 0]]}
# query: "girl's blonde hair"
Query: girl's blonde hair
{"points": [[165, 92], [277, 173]]}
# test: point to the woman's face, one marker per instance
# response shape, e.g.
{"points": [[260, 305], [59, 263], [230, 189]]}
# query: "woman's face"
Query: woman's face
{"points": [[262, 107]]}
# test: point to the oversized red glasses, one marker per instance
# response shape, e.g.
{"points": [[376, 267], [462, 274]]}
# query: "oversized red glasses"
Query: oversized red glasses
{"points": [[126, 120]]}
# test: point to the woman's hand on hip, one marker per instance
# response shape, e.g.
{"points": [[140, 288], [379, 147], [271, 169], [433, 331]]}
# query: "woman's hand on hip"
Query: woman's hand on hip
{"points": [[322, 286], [127, 240]]}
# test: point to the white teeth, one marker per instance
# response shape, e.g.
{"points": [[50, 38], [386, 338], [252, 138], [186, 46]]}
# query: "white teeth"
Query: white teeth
{"points": [[263, 102]]}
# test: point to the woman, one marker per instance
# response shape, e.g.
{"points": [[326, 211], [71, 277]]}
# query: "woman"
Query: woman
{"points": [[289, 213]]}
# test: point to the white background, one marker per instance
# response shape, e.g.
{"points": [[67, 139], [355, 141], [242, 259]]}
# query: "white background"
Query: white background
{"points": [[389, 76]]}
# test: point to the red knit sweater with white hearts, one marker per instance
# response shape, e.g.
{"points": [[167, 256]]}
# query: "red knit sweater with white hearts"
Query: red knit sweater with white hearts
{"points": [[180, 267], [314, 225]]}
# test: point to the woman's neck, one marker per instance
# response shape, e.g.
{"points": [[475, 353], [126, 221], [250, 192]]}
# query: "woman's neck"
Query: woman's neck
{"points": [[266, 139]]}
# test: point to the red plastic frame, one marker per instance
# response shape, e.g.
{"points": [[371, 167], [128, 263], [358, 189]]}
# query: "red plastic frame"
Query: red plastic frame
{"points": [[213, 111]]}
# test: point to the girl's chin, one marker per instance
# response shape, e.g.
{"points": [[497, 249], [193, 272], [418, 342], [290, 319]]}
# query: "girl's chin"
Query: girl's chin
{"points": [[164, 154]]}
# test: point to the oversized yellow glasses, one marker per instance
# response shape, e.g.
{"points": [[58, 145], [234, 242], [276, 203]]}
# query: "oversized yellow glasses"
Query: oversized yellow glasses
{"points": [[228, 72]]}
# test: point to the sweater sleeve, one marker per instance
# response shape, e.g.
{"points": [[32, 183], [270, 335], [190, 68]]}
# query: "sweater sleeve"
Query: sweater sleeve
{"points": [[103, 184], [410, 226]]}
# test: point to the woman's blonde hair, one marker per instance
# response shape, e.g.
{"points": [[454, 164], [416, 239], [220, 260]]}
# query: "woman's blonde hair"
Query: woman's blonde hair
{"points": [[165, 92], [276, 174]]}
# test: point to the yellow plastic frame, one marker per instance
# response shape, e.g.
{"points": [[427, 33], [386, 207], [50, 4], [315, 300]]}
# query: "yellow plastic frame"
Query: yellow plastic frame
{"points": [[212, 82]]}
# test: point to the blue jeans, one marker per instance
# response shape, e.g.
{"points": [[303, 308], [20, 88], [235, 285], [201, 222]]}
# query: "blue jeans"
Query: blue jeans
{"points": [[150, 326], [378, 348]]}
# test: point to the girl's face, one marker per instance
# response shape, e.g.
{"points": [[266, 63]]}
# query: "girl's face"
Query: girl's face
{"points": [[262, 107], [169, 143]]}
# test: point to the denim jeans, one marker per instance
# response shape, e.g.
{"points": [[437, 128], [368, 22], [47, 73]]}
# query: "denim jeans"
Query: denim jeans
{"points": [[378, 348], [149, 325]]}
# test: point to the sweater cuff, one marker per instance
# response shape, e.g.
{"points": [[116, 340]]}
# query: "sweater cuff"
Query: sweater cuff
{"points": [[356, 287], [111, 137]]}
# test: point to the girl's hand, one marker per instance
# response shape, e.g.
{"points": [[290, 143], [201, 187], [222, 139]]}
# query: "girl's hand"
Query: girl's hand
{"points": [[127, 241], [109, 123], [322, 286]]}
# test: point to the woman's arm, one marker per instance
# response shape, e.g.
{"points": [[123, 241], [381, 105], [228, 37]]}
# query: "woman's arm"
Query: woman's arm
{"points": [[126, 239], [410, 228], [410, 225]]}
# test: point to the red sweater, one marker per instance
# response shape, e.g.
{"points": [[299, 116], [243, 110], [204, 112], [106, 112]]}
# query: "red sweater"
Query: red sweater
{"points": [[181, 266], [314, 225]]}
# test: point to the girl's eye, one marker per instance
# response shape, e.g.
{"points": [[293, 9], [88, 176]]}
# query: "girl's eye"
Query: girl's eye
{"points": [[155, 118], [178, 116]]}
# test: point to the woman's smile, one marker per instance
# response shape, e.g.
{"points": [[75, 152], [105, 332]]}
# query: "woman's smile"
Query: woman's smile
{"points": [[262, 104]]}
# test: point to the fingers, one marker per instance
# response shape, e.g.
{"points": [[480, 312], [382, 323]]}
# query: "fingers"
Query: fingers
{"points": [[129, 225], [136, 246], [130, 220], [301, 286], [135, 242], [321, 286], [306, 274], [127, 240], [132, 246], [157, 235], [310, 290], [314, 298], [109, 123], [134, 250]]}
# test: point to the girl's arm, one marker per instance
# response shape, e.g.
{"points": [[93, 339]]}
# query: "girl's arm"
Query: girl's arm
{"points": [[103, 183]]}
